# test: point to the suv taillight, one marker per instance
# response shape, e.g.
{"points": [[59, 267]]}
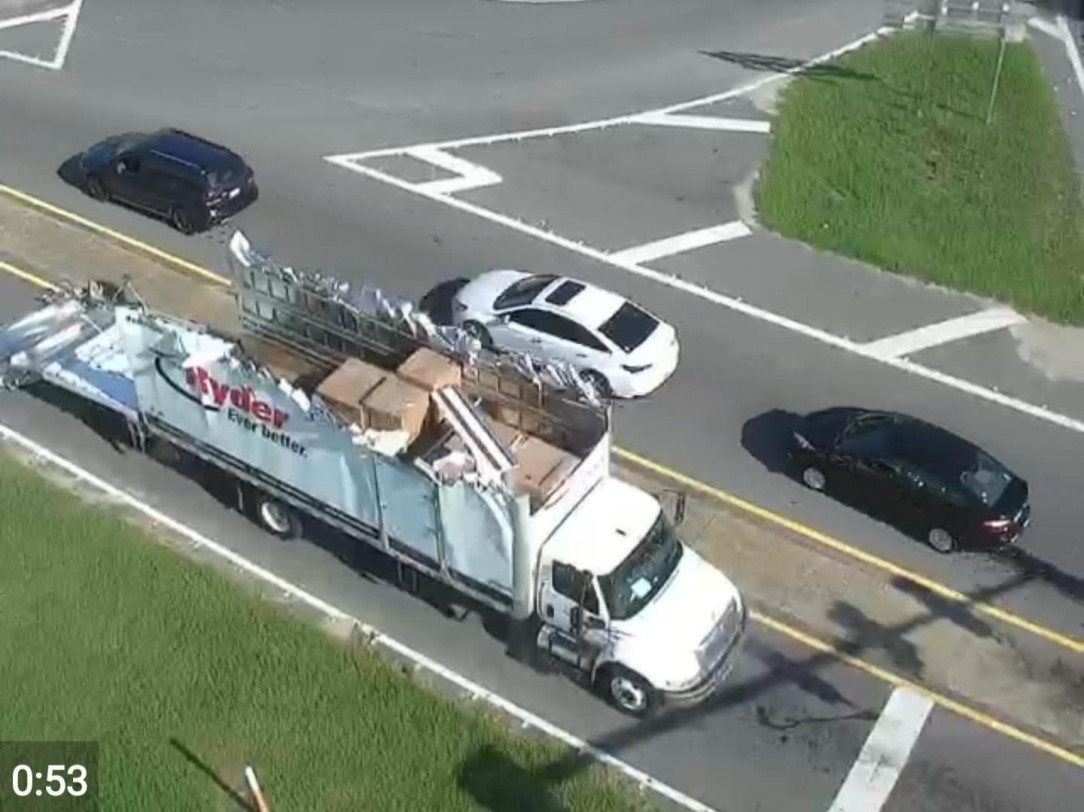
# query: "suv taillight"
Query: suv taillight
{"points": [[997, 525]]}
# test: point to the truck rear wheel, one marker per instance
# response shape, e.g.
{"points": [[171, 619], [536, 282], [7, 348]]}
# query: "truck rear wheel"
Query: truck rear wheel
{"points": [[628, 691], [276, 517]]}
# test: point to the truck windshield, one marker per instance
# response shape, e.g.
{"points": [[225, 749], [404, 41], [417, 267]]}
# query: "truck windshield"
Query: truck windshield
{"points": [[638, 578]]}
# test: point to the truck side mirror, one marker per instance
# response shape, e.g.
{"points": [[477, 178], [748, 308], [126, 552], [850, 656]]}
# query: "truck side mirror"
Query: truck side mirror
{"points": [[574, 618], [674, 503]]}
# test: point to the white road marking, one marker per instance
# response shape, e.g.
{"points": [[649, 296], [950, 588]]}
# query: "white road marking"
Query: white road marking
{"points": [[885, 753], [707, 294], [944, 332], [471, 175], [37, 17], [682, 242], [70, 15], [1048, 28], [375, 636], [743, 125], [604, 123], [1071, 49]]}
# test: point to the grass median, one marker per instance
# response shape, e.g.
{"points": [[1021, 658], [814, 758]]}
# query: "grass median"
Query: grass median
{"points": [[885, 156], [184, 676]]}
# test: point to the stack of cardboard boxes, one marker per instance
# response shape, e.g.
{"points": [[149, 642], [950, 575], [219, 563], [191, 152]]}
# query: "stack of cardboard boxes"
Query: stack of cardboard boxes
{"points": [[373, 398]]}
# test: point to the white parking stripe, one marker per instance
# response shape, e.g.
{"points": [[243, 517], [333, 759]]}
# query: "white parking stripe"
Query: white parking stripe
{"points": [[70, 15], [743, 125], [682, 242], [943, 332], [471, 175], [885, 753]]}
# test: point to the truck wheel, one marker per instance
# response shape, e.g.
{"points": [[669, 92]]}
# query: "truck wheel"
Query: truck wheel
{"points": [[276, 518], [628, 691]]}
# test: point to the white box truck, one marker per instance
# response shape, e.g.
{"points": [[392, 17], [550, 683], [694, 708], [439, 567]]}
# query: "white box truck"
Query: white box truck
{"points": [[490, 475]]}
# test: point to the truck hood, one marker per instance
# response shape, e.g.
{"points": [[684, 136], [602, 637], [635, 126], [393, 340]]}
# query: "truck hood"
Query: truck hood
{"points": [[686, 610]]}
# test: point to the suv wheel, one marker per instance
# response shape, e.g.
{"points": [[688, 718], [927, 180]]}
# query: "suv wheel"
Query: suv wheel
{"points": [[95, 188], [180, 220]]}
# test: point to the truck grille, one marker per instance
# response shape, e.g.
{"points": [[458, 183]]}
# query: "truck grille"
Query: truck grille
{"points": [[715, 645]]}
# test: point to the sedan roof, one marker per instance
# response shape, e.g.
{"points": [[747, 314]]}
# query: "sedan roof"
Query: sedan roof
{"points": [[589, 305]]}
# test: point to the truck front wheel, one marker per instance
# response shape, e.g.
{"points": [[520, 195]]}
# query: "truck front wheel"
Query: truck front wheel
{"points": [[628, 691]]}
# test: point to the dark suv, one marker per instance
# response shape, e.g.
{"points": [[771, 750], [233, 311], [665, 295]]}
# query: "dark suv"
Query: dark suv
{"points": [[190, 181]]}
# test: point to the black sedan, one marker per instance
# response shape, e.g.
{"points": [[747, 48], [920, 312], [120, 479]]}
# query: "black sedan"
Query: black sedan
{"points": [[921, 478]]}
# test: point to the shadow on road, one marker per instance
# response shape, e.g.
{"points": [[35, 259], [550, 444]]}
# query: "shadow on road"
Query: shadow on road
{"points": [[70, 173], [437, 302], [783, 64], [767, 438]]}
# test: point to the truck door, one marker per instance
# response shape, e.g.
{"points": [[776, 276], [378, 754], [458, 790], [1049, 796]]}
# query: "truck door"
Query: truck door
{"points": [[574, 628]]}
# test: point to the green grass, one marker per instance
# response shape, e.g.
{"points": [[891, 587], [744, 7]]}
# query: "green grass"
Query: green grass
{"points": [[865, 164], [108, 635]]}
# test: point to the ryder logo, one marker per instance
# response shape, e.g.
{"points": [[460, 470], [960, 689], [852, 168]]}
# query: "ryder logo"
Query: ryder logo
{"points": [[242, 399], [242, 405]]}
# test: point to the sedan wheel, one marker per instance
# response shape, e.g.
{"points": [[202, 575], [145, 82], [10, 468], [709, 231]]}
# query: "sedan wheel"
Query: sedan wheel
{"points": [[599, 383], [814, 479], [941, 540], [477, 331]]}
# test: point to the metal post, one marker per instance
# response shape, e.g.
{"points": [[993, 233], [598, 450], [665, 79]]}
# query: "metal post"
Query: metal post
{"points": [[997, 79]]}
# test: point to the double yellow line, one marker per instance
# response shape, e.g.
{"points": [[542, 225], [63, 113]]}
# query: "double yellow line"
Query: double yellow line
{"points": [[704, 489]]}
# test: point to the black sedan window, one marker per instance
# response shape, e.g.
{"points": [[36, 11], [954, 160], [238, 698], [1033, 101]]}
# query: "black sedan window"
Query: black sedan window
{"points": [[869, 437]]}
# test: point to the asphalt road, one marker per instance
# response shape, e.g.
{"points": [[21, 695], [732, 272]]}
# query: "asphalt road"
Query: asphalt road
{"points": [[287, 83], [782, 736]]}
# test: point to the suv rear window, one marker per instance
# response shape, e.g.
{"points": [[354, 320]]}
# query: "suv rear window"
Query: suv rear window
{"points": [[523, 291], [629, 327], [223, 176]]}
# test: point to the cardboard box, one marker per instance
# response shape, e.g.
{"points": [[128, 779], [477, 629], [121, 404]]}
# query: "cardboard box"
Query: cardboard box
{"points": [[395, 405], [541, 469], [430, 370], [346, 388], [281, 363]]}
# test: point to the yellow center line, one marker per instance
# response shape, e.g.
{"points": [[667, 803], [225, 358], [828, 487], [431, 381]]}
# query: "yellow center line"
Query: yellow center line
{"points": [[26, 276], [853, 552], [807, 640]]}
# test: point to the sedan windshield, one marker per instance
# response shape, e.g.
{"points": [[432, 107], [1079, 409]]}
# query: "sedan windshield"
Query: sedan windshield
{"points": [[523, 291], [639, 577]]}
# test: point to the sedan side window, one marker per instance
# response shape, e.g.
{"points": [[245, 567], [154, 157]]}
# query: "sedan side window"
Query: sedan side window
{"points": [[537, 320], [579, 334], [867, 438]]}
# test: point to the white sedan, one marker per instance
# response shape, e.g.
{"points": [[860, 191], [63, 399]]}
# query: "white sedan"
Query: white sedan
{"points": [[622, 349]]}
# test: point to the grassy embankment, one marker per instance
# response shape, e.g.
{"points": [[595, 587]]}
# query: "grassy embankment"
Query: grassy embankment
{"points": [[867, 163], [108, 635]]}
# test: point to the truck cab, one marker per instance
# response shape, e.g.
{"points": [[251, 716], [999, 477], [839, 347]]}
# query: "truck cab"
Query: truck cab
{"points": [[623, 600]]}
